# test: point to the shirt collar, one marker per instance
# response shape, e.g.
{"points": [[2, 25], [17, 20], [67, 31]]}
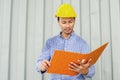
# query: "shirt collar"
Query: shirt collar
{"points": [[72, 34]]}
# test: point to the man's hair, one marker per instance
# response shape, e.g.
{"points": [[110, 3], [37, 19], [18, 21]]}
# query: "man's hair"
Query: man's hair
{"points": [[58, 18]]}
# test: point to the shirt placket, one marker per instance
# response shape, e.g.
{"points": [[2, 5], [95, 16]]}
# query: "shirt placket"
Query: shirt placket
{"points": [[65, 49], [66, 45]]}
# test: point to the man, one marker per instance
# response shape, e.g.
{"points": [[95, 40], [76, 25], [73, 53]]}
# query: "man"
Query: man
{"points": [[67, 40]]}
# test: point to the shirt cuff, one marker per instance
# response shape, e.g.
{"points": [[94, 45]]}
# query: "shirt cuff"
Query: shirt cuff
{"points": [[88, 74], [38, 68]]}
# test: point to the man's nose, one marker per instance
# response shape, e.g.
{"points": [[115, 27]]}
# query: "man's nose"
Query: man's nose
{"points": [[67, 25]]}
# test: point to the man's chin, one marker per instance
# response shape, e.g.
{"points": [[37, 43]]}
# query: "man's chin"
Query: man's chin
{"points": [[68, 33]]}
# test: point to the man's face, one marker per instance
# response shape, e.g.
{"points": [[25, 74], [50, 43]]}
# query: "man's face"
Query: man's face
{"points": [[67, 25]]}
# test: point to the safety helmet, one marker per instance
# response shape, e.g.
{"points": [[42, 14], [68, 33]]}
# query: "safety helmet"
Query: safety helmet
{"points": [[65, 10]]}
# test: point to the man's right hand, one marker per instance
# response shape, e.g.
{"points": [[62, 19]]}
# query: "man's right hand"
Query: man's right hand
{"points": [[44, 65]]}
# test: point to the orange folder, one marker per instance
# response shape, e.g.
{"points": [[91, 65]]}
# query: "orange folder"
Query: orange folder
{"points": [[61, 59]]}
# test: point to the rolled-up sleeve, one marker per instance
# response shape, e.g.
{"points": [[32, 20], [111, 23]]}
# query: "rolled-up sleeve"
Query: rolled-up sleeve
{"points": [[85, 49], [44, 55], [91, 72]]}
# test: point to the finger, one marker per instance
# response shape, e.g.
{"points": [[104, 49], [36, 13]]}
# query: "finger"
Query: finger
{"points": [[80, 62], [84, 61], [72, 64], [88, 63], [89, 60], [47, 62], [43, 68], [75, 69], [72, 69], [45, 65]]}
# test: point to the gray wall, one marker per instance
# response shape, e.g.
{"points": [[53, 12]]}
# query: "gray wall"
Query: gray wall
{"points": [[25, 25]]}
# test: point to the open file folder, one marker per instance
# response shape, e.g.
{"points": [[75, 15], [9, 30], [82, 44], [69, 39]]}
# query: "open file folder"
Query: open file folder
{"points": [[61, 59]]}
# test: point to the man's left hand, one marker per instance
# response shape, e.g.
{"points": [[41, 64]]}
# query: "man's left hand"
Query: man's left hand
{"points": [[82, 67]]}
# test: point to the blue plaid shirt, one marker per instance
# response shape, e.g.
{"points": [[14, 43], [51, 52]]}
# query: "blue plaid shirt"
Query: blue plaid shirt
{"points": [[75, 44]]}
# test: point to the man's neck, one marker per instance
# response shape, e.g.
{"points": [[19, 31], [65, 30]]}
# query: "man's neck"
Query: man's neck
{"points": [[66, 36]]}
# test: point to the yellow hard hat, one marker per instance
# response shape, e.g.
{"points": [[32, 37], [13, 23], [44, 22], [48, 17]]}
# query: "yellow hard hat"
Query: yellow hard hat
{"points": [[65, 10]]}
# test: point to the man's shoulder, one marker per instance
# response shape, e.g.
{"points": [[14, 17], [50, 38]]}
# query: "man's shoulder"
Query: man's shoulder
{"points": [[80, 39], [52, 38]]}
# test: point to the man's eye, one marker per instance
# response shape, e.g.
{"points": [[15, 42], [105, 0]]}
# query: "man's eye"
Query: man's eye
{"points": [[63, 22], [70, 21]]}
